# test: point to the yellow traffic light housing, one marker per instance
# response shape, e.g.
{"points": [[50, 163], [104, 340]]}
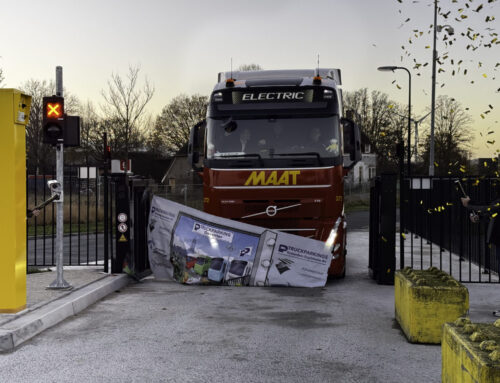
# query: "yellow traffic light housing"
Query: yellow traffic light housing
{"points": [[14, 115]]}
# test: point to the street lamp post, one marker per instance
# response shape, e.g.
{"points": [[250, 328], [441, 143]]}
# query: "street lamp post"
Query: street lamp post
{"points": [[437, 28], [392, 69]]}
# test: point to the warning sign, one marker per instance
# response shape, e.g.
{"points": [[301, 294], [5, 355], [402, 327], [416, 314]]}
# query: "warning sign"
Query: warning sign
{"points": [[122, 227], [122, 238]]}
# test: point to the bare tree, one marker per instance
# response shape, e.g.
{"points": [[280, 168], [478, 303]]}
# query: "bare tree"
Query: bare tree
{"points": [[172, 127], [250, 67], [90, 133], [125, 108], [452, 137], [380, 122], [2, 77]]}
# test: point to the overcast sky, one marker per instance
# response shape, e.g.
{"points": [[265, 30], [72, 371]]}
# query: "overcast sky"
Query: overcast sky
{"points": [[182, 45]]}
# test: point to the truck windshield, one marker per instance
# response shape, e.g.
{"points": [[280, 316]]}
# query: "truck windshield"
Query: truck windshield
{"points": [[273, 137], [238, 267]]}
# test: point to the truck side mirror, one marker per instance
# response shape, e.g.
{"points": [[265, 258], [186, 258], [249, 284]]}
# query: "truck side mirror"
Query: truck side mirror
{"points": [[196, 145], [352, 141]]}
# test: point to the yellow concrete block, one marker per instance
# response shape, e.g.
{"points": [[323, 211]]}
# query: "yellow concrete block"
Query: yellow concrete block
{"points": [[425, 300], [14, 114], [470, 352]]}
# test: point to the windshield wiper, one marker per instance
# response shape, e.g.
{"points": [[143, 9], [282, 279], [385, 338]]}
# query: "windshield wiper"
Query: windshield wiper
{"points": [[316, 154], [244, 155]]}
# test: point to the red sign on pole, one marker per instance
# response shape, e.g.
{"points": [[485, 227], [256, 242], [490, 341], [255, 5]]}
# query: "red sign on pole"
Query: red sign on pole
{"points": [[125, 166]]}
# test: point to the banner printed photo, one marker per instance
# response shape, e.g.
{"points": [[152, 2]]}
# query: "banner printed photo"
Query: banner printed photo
{"points": [[194, 247]]}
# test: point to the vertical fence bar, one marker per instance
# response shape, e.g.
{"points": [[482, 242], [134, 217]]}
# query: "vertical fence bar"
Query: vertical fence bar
{"points": [[96, 194], [36, 221], [88, 211], [441, 239], [53, 223], [79, 212], [105, 202], [111, 226], [70, 210], [469, 236], [27, 227], [461, 220], [449, 211], [411, 220]]}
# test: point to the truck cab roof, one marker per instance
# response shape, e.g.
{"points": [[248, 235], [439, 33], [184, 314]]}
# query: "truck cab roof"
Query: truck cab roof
{"points": [[286, 77]]}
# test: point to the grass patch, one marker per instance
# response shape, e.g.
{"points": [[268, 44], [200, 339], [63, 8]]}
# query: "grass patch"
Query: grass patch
{"points": [[357, 202]]}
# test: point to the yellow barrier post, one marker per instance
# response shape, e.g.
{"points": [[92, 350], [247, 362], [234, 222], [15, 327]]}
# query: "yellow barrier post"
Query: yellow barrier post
{"points": [[470, 352], [425, 300], [14, 115]]}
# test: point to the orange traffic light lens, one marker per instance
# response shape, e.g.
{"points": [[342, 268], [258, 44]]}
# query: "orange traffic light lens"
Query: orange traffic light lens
{"points": [[54, 110]]}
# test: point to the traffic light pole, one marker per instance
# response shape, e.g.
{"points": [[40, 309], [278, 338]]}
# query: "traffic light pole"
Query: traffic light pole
{"points": [[59, 282]]}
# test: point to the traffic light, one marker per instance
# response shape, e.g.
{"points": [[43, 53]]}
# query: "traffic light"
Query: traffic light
{"points": [[53, 119]]}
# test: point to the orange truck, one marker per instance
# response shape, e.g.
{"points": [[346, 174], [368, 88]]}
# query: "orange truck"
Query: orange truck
{"points": [[274, 150]]}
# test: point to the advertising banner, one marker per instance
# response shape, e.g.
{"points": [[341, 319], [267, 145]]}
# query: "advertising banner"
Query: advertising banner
{"points": [[194, 247]]}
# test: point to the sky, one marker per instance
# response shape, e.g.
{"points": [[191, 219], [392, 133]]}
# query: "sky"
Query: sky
{"points": [[180, 47]]}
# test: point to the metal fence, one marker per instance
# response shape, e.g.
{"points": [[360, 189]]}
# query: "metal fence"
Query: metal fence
{"points": [[186, 194], [437, 230], [84, 215]]}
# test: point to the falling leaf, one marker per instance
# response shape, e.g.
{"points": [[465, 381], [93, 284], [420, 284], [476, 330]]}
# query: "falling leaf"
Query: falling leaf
{"points": [[479, 8], [484, 75], [436, 164]]}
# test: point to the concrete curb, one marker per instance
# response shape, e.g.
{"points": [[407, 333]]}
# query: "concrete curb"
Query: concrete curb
{"points": [[18, 331]]}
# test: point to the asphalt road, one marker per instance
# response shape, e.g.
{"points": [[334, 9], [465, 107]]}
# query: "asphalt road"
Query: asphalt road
{"points": [[167, 332], [358, 220], [36, 247]]}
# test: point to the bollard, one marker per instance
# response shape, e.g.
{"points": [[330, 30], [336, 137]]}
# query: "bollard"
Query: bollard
{"points": [[425, 300], [470, 352], [14, 115]]}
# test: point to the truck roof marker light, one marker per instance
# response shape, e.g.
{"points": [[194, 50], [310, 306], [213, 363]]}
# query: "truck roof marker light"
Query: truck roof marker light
{"points": [[317, 80], [229, 82], [328, 94]]}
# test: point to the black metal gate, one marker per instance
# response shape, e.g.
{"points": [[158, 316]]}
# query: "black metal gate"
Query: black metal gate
{"points": [[437, 230], [86, 213]]}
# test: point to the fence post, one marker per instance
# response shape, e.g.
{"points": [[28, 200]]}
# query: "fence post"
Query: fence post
{"points": [[106, 205], [122, 214], [382, 253]]}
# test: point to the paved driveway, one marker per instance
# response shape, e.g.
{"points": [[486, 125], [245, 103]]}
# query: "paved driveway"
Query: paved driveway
{"points": [[166, 332]]}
